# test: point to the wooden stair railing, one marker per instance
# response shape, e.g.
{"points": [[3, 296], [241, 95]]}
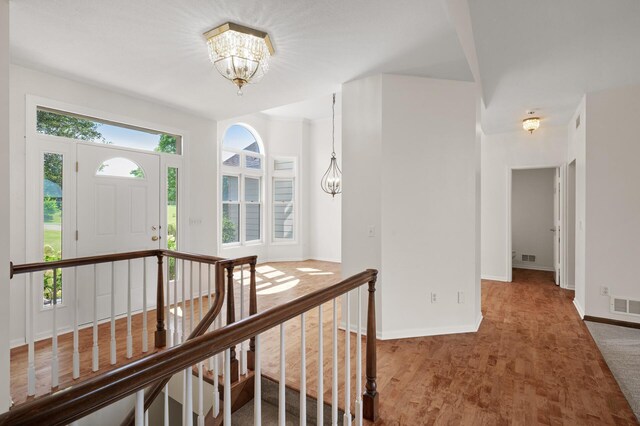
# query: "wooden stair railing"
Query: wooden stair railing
{"points": [[73, 403], [203, 326]]}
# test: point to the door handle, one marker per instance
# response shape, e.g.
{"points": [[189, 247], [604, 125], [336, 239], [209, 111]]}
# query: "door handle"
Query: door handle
{"points": [[155, 238], [552, 229]]}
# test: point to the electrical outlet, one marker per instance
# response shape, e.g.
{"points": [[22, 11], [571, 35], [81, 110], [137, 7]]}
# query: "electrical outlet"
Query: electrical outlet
{"points": [[372, 231], [604, 291], [461, 297], [434, 298]]}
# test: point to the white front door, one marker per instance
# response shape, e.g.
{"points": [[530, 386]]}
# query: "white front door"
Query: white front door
{"points": [[118, 210]]}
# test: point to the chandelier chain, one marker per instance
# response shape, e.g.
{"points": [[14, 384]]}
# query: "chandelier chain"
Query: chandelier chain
{"points": [[333, 124]]}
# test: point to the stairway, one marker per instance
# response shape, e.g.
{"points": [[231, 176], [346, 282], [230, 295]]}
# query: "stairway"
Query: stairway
{"points": [[244, 416]]}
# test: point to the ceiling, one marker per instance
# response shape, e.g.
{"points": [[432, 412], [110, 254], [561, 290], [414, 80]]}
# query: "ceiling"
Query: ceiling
{"points": [[155, 50], [545, 55]]}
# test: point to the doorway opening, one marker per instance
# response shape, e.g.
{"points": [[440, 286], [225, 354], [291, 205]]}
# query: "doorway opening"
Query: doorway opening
{"points": [[535, 213], [571, 226]]}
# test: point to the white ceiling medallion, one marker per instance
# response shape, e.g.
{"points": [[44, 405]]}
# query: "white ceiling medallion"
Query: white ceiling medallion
{"points": [[241, 54]]}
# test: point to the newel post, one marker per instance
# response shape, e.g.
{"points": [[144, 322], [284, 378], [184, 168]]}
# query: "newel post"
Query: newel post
{"points": [[161, 332], [370, 397], [231, 318], [253, 309]]}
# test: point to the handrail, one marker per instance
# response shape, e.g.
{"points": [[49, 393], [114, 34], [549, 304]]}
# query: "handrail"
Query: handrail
{"points": [[106, 258], [73, 403]]}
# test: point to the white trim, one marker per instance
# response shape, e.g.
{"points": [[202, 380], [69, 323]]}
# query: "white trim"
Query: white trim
{"points": [[494, 278], [430, 331], [578, 308], [510, 169], [534, 267]]}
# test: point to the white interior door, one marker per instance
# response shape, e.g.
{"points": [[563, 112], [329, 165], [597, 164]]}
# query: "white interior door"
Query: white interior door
{"points": [[118, 210]]}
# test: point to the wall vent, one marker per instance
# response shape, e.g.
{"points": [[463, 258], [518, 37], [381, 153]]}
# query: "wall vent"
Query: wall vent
{"points": [[619, 305], [528, 257], [578, 122]]}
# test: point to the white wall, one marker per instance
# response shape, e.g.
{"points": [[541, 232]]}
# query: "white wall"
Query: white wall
{"points": [[612, 198], [546, 147], [285, 138], [532, 217], [325, 228], [199, 151], [362, 180], [410, 161], [5, 302]]}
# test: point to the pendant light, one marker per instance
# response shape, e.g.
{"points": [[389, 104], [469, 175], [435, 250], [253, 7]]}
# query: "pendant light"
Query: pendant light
{"points": [[331, 181]]}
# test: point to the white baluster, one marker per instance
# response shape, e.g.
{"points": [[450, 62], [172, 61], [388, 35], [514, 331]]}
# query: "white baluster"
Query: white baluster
{"points": [[129, 336], [320, 414], [145, 333], [189, 396], [347, 361], [227, 387], [282, 414], [176, 332], [201, 364], [96, 350], [191, 315], [166, 404], [257, 385], [140, 408], [243, 354], [113, 313], [303, 372], [167, 282], [146, 418], [54, 334], [31, 370], [76, 305], [334, 384], [358, 406]]}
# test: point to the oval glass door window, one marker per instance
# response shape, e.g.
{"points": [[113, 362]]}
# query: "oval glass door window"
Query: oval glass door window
{"points": [[120, 167]]}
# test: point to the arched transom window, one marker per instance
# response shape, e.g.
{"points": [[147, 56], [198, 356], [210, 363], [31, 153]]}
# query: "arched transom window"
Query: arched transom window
{"points": [[242, 172]]}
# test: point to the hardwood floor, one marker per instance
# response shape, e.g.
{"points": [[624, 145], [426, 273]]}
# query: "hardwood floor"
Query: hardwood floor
{"points": [[532, 361]]}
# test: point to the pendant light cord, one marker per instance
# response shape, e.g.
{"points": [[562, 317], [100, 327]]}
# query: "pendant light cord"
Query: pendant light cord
{"points": [[333, 124]]}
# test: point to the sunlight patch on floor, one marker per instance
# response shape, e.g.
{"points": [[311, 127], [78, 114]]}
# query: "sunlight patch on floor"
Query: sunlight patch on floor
{"points": [[321, 273], [171, 310], [273, 274], [308, 270], [264, 269], [280, 287]]}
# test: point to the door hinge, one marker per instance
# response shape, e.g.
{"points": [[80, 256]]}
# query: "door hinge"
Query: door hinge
{"points": [[77, 166], [76, 235]]}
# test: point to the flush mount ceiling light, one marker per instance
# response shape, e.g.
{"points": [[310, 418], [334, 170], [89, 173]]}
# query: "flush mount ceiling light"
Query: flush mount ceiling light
{"points": [[241, 54], [531, 124]]}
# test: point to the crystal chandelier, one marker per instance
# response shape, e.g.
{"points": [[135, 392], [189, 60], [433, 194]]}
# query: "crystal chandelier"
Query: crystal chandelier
{"points": [[531, 124], [331, 181], [240, 54]]}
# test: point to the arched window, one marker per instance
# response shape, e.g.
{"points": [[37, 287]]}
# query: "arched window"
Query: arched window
{"points": [[242, 172]]}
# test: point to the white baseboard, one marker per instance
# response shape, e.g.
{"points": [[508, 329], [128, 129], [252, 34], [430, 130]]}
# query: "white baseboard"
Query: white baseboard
{"points": [[578, 308], [534, 267], [430, 331], [494, 278], [325, 259]]}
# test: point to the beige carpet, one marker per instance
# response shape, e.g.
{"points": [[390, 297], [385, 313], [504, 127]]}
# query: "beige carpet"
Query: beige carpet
{"points": [[620, 347]]}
